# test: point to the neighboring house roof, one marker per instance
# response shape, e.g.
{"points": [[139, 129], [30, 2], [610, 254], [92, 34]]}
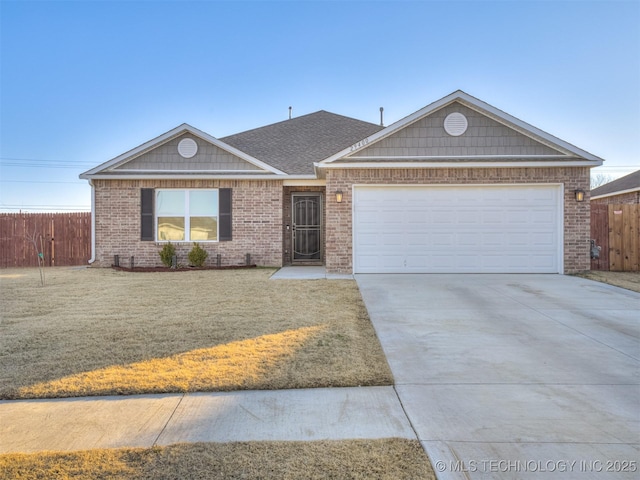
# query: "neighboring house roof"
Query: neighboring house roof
{"points": [[626, 184], [294, 145], [543, 146]]}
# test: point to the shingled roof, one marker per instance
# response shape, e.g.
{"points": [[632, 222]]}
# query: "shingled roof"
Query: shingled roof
{"points": [[627, 183], [292, 146]]}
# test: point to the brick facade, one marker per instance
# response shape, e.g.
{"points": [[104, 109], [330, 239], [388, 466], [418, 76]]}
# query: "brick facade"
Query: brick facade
{"points": [[262, 209], [339, 219], [257, 222]]}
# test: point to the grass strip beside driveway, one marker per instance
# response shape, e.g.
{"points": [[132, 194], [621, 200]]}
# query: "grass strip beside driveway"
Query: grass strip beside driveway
{"points": [[104, 332], [628, 280]]}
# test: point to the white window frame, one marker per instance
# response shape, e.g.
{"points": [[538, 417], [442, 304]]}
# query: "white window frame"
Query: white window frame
{"points": [[187, 216]]}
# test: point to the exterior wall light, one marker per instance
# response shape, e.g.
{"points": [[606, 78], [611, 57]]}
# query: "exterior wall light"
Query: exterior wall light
{"points": [[339, 196], [579, 195]]}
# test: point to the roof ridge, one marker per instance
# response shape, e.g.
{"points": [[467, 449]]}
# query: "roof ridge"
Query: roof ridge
{"points": [[293, 120], [269, 125], [348, 118]]}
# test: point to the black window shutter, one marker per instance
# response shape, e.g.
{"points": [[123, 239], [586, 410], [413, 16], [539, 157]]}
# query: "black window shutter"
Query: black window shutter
{"points": [[224, 198], [146, 214]]}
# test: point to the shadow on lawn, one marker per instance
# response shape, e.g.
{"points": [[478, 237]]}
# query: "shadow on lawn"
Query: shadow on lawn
{"points": [[245, 364]]}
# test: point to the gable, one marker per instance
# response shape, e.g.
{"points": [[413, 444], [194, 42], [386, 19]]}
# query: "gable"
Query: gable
{"points": [[167, 158], [482, 136], [427, 137], [205, 156]]}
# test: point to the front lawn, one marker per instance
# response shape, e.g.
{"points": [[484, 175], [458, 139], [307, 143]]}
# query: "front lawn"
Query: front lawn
{"points": [[392, 459], [104, 332]]}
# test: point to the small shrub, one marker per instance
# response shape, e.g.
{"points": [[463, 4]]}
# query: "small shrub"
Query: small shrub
{"points": [[167, 253], [197, 256]]}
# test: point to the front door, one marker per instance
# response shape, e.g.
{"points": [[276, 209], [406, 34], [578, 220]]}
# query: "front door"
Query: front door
{"points": [[307, 227]]}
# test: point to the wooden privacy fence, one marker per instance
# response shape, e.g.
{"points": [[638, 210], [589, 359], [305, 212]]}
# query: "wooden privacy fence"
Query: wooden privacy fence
{"points": [[615, 230], [63, 238]]}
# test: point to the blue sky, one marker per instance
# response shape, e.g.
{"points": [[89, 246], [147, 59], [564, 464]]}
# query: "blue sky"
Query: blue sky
{"points": [[84, 81]]}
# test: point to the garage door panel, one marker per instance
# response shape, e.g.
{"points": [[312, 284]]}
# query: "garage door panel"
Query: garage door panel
{"points": [[494, 261], [543, 261], [494, 217], [543, 240], [391, 240], [516, 216], [370, 217], [389, 217], [457, 229], [440, 239], [442, 260], [517, 240], [417, 240], [441, 217], [416, 217], [467, 239], [393, 261], [542, 217], [492, 239], [467, 217], [371, 261]]}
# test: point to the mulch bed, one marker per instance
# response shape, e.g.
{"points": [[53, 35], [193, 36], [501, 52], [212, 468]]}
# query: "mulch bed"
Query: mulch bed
{"points": [[179, 269]]}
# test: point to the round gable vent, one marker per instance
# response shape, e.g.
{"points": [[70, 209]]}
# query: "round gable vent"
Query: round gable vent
{"points": [[187, 147], [455, 124]]}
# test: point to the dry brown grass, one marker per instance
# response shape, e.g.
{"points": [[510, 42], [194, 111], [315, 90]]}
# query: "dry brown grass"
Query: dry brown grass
{"points": [[628, 280], [103, 332], [395, 459]]}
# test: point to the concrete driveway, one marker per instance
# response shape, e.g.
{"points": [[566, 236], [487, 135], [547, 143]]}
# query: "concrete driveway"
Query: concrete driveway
{"points": [[514, 376]]}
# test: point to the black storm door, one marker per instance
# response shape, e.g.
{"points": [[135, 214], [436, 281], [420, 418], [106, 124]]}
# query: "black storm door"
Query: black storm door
{"points": [[307, 227]]}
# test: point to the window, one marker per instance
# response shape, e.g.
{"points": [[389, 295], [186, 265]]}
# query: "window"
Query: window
{"points": [[187, 215], [203, 214]]}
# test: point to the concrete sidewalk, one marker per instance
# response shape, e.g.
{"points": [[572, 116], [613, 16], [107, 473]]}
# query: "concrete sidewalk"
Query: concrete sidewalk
{"points": [[28, 426], [308, 273]]}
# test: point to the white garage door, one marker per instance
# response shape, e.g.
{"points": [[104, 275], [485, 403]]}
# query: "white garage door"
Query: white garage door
{"points": [[458, 229]]}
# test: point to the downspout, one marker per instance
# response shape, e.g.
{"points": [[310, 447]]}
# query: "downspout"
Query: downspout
{"points": [[93, 222]]}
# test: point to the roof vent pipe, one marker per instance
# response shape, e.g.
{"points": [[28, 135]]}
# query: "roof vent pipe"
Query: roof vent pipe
{"points": [[290, 108], [381, 118]]}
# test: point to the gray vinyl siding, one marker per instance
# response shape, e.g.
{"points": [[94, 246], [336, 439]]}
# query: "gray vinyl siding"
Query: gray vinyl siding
{"points": [[166, 157], [427, 137]]}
